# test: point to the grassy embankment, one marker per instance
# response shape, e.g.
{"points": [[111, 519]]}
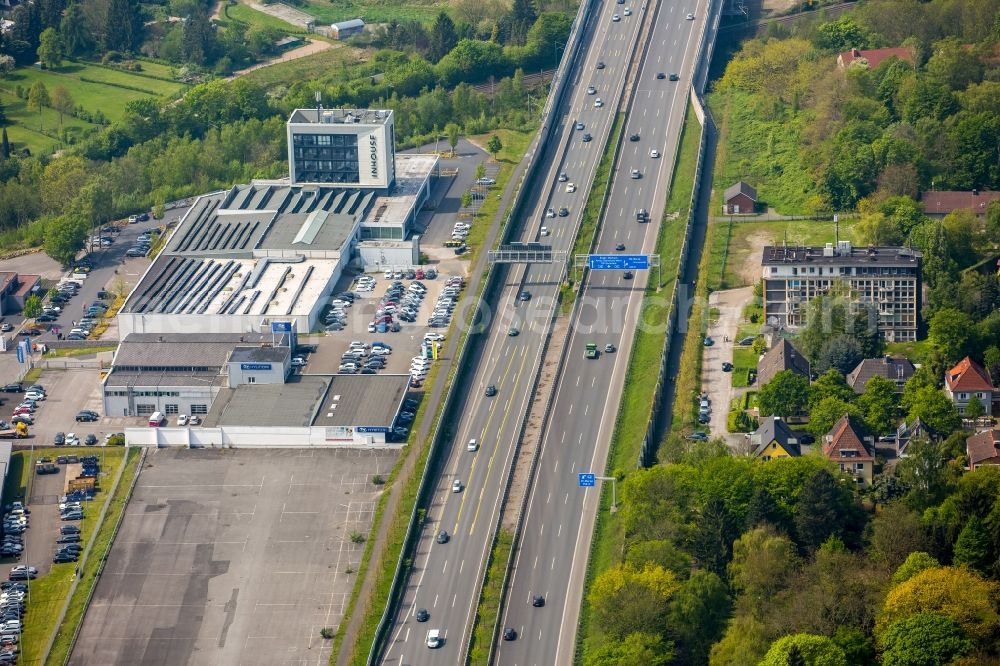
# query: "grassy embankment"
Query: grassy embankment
{"points": [[644, 363]]}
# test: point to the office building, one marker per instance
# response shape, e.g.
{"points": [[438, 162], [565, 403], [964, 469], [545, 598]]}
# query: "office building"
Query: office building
{"points": [[342, 148]]}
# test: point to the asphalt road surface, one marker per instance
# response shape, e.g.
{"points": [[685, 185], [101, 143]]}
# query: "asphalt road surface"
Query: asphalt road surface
{"points": [[552, 556], [444, 578]]}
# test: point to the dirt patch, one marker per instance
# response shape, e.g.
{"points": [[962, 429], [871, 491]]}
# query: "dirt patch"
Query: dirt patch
{"points": [[746, 258], [313, 46]]}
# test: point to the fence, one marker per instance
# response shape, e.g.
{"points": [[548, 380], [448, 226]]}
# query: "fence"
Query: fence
{"points": [[492, 282]]}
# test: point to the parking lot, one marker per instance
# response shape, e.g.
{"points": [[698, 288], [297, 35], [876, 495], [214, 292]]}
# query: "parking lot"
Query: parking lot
{"points": [[233, 557]]}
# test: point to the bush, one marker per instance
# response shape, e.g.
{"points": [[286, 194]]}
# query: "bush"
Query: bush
{"points": [[111, 56], [116, 440], [326, 633], [357, 537], [378, 480]]}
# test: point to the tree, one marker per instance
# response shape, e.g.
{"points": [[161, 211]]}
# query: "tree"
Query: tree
{"points": [[443, 37], [896, 533], [841, 353], [76, 36], [7, 64], [627, 600], [756, 555], [951, 332], [841, 35], [820, 511], [878, 404], [38, 99], [787, 394], [62, 101], [925, 639], [494, 146], [454, 132], [974, 547], [763, 510], [827, 412], [712, 540], [974, 408], [636, 649], [64, 238], [804, 649], [32, 306], [924, 470], [954, 66], [831, 384], [50, 48], [954, 592], [914, 564], [936, 410], [697, 615], [122, 26], [4, 145], [745, 642]]}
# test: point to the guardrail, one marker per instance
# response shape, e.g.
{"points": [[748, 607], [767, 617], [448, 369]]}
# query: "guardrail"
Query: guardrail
{"points": [[556, 93], [647, 454]]}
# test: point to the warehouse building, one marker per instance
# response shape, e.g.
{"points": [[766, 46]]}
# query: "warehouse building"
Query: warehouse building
{"points": [[303, 412]]}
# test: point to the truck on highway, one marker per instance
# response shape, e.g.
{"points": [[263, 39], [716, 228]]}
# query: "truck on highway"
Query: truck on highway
{"points": [[19, 431], [591, 350]]}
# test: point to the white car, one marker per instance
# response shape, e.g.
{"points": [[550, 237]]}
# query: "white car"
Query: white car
{"points": [[456, 486], [194, 420], [433, 336], [616, 18], [298, 362], [598, 103], [690, 17], [72, 439], [182, 420], [591, 90], [545, 231], [571, 187], [627, 12], [34, 395], [654, 153], [549, 212]]}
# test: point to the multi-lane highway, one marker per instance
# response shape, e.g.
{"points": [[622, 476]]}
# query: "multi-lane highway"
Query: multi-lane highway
{"points": [[556, 533], [445, 577]]}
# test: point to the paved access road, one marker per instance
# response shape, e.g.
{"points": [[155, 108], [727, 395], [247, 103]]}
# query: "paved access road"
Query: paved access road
{"points": [[555, 543], [445, 577]]}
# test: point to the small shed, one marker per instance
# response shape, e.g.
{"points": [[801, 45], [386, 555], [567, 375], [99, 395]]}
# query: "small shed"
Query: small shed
{"points": [[345, 29], [740, 199]]}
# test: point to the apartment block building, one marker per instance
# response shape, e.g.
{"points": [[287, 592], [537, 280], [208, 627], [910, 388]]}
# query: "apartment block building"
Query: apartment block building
{"points": [[885, 277]]}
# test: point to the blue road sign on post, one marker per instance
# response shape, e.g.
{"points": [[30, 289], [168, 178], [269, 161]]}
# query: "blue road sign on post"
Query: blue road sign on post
{"points": [[281, 327], [618, 262], [588, 480]]}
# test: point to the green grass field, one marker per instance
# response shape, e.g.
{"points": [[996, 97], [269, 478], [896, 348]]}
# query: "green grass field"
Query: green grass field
{"points": [[48, 592], [251, 16], [372, 11], [104, 89], [23, 125], [315, 66]]}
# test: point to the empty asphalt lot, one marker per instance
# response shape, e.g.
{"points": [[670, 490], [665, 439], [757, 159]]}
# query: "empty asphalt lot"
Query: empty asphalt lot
{"points": [[233, 557]]}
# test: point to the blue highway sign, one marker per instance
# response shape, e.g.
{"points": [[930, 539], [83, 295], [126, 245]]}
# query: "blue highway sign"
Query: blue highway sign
{"points": [[588, 480], [618, 262]]}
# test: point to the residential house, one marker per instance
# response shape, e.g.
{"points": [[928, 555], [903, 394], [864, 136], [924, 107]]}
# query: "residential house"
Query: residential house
{"points": [[872, 58], [896, 369], [848, 446], [937, 204], [907, 432], [968, 379], [983, 448], [15, 289], [739, 199], [774, 439], [782, 356]]}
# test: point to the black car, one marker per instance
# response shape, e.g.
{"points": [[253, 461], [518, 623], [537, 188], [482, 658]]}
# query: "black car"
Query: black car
{"points": [[538, 601], [12, 388], [64, 558], [600, 64], [660, 75], [91, 440], [86, 416], [620, 247], [68, 538], [727, 367], [524, 296], [510, 634], [491, 391], [443, 537], [563, 212], [674, 77], [422, 615], [587, 138], [627, 275], [633, 137], [143, 217], [69, 529]]}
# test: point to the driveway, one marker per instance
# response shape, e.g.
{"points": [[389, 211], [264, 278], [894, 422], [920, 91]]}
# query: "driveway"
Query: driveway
{"points": [[715, 382]]}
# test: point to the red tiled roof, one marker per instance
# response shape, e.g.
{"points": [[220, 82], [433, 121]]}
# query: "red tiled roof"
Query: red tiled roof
{"points": [[846, 436], [968, 376], [943, 202], [984, 447], [876, 57]]}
